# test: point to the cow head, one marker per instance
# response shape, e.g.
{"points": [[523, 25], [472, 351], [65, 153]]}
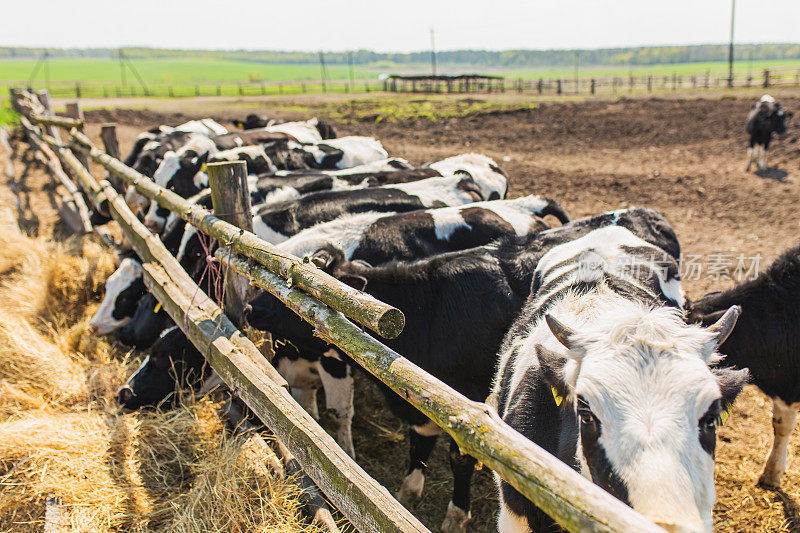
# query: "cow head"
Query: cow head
{"points": [[124, 288], [148, 323], [648, 401], [173, 362], [180, 172], [252, 121], [780, 119]]}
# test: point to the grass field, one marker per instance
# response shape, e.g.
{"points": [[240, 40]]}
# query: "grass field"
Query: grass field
{"points": [[101, 78], [177, 71]]}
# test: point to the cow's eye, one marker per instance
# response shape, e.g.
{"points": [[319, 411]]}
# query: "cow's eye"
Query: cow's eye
{"points": [[589, 422], [708, 422]]}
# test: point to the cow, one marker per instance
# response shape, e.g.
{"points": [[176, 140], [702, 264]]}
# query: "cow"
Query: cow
{"points": [[151, 147], [173, 358], [377, 237], [766, 117], [253, 121], [601, 370], [765, 341], [124, 288], [477, 293], [278, 221]]}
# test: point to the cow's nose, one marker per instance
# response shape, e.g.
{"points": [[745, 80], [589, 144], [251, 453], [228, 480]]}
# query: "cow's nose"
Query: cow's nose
{"points": [[125, 395]]}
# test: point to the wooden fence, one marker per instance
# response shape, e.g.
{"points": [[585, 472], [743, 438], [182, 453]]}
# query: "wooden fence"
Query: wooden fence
{"points": [[328, 305], [567, 85]]}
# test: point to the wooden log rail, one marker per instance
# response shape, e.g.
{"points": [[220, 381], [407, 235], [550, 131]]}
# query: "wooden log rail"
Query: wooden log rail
{"points": [[572, 500], [366, 503], [384, 319], [62, 122]]}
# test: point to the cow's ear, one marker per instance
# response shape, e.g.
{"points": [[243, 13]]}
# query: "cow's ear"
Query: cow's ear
{"points": [[357, 282], [731, 382], [551, 365], [321, 259], [705, 320]]}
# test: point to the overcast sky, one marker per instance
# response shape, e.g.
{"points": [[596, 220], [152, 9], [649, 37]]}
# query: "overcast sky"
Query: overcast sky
{"points": [[395, 26]]}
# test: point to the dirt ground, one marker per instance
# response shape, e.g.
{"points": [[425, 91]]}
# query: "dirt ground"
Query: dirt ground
{"points": [[684, 157]]}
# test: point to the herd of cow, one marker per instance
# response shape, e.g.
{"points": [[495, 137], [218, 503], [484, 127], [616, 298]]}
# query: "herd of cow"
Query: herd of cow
{"points": [[579, 335]]}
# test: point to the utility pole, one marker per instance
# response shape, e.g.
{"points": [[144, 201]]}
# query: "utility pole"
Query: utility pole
{"points": [[352, 74], [433, 55], [323, 70], [47, 69], [730, 48], [122, 68]]}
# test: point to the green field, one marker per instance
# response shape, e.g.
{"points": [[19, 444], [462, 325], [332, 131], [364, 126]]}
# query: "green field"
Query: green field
{"points": [[715, 68], [209, 76], [177, 71]]}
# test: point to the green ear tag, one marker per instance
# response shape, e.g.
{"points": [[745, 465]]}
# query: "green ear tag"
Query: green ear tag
{"points": [[157, 308], [723, 416], [557, 397]]}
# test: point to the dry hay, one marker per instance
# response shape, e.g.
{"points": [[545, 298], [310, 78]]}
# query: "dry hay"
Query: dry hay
{"points": [[62, 436]]}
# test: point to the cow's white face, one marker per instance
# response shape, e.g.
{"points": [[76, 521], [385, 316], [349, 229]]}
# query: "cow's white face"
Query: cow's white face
{"points": [[124, 288], [648, 406]]}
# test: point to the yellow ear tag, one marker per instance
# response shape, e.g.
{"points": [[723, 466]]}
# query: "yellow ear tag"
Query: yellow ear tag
{"points": [[203, 167], [723, 416], [557, 397], [157, 308]]}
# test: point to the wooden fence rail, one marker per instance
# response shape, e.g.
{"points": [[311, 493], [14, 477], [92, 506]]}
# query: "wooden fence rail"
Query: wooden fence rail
{"points": [[572, 500]]}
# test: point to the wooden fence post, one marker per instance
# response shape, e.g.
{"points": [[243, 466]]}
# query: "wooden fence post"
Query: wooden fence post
{"points": [[74, 110], [766, 78], [108, 133], [594, 82], [44, 98], [558, 86], [231, 199]]}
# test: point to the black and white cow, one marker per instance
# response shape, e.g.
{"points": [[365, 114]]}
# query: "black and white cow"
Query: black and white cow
{"points": [[279, 221], [378, 238], [765, 341], [766, 117], [173, 359], [477, 293], [602, 371], [123, 289]]}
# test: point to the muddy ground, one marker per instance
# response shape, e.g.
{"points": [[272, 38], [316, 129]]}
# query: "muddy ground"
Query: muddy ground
{"points": [[682, 157]]}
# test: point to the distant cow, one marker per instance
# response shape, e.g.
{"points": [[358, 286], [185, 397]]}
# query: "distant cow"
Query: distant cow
{"points": [[601, 370], [766, 117], [766, 341]]}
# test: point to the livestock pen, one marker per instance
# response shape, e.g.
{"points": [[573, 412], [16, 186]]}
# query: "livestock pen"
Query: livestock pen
{"points": [[572, 500]]}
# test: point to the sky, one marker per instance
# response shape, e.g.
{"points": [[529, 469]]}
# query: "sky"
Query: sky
{"points": [[400, 26]]}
